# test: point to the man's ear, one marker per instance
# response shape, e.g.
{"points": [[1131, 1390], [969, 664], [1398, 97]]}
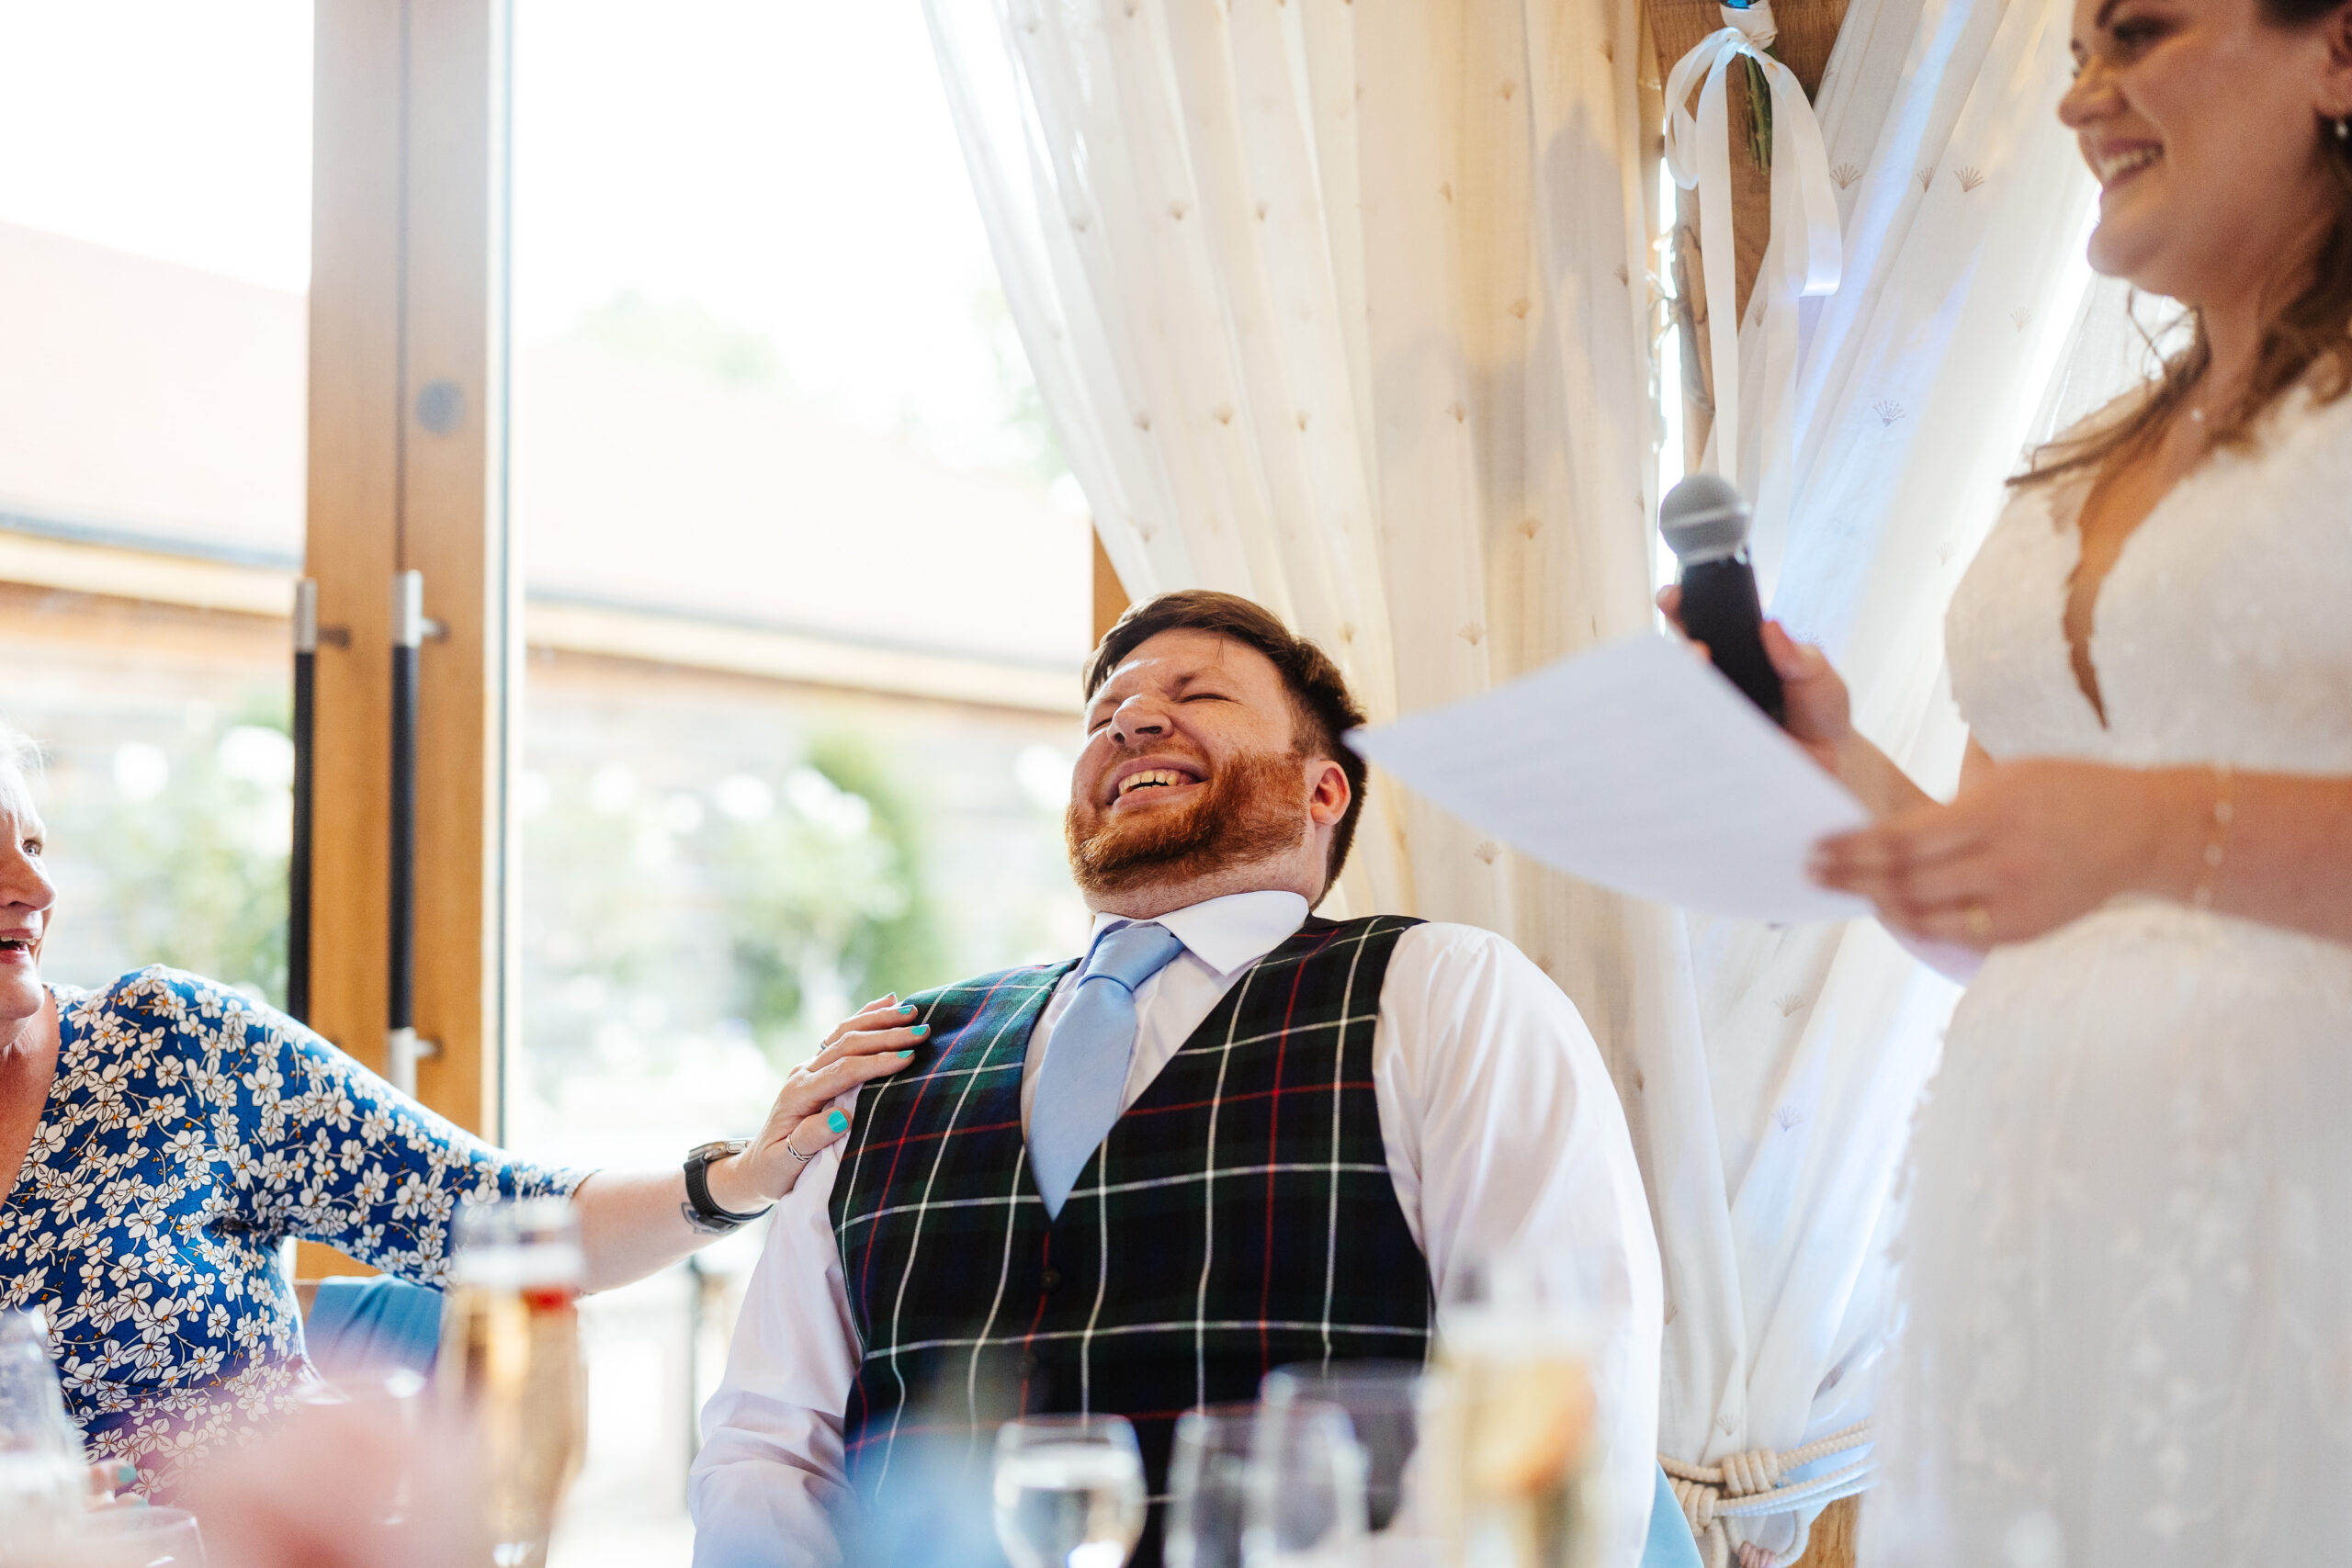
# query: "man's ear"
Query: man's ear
{"points": [[1329, 793], [2335, 98]]}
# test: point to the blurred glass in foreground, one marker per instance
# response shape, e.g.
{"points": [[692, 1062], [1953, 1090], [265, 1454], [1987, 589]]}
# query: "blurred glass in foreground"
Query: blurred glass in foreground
{"points": [[44, 1480], [1521, 1422], [510, 1363]]}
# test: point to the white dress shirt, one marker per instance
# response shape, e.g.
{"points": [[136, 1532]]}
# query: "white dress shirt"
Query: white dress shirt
{"points": [[1504, 1137]]}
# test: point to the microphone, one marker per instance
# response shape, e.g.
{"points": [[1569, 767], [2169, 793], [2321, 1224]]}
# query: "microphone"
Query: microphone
{"points": [[1705, 522]]}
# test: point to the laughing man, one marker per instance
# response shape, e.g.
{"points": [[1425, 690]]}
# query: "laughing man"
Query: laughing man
{"points": [[1229, 1137]]}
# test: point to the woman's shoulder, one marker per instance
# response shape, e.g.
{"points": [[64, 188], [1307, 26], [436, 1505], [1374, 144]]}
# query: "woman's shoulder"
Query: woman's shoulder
{"points": [[158, 998]]}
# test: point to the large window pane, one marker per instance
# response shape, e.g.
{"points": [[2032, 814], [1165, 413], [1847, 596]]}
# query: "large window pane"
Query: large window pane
{"points": [[805, 602], [154, 243]]}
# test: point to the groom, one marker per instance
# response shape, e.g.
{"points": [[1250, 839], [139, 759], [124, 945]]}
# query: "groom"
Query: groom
{"points": [[1231, 1137]]}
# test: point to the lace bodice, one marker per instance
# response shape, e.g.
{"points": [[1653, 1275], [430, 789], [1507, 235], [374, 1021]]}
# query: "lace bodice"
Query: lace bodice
{"points": [[2222, 634]]}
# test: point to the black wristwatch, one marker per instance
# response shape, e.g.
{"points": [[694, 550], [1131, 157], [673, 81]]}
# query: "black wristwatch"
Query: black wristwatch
{"points": [[699, 1209]]}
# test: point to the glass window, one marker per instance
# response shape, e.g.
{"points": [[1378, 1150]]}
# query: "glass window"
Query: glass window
{"points": [[806, 597], [154, 247]]}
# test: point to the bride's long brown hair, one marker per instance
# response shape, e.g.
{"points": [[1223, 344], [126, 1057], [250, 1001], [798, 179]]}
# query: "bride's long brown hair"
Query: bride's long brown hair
{"points": [[2309, 341]]}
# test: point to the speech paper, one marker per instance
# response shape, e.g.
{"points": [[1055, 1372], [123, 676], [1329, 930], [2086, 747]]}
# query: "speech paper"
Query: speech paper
{"points": [[1635, 765]]}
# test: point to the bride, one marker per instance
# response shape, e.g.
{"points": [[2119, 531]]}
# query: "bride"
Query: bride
{"points": [[2129, 1257]]}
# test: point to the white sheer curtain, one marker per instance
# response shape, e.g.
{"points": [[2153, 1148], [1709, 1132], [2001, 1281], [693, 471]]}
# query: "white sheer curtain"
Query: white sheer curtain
{"points": [[1343, 305], [1965, 208]]}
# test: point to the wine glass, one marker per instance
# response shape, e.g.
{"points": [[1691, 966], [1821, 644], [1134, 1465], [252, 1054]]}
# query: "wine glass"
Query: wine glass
{"points": [[1306, 1487], [44, 1479], [1383, 1400], [1069, 1491], [137, 1538], [1208, 1486]]}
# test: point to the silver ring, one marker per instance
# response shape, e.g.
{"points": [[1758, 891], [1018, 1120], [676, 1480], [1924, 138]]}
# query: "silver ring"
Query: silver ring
{"points": [[796, 1153]]}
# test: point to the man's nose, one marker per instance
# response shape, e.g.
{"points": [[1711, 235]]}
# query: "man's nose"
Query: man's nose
{"points": [[1138, 718]]}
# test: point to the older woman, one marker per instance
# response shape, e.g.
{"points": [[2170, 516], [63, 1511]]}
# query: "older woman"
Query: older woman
{"points": [[2130, 1331], [160, 1136]]}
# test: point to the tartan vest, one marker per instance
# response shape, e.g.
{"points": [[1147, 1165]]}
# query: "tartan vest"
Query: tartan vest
{"points": [[1238, 1217]]}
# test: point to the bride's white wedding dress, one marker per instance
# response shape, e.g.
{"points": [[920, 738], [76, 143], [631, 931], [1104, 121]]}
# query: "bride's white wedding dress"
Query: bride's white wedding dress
{"points": [[2128, 1265]]}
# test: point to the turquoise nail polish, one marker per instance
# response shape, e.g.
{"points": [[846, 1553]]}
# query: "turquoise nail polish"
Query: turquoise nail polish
{"points": [[837, 1121], [920, 1030], [907, 1052], [908, 1009]]}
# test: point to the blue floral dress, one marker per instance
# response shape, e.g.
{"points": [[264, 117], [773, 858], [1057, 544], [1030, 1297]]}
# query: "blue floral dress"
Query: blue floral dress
{"points": [[189, 1132]]}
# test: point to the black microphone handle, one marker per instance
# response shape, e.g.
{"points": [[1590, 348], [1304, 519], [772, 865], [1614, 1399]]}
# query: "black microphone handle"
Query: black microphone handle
{"points": [[1720, 608]]}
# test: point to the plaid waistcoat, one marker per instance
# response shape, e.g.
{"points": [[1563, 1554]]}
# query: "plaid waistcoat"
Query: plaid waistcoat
{"points": [[1238, 1217]]}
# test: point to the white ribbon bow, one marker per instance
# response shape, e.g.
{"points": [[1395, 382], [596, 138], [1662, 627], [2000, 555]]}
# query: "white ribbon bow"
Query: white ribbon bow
{"points": [[1807, 254]]}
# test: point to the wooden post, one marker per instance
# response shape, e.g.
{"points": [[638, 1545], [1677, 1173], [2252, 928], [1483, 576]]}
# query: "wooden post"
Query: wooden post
{"points": [[1110, 598], [406, 472]]}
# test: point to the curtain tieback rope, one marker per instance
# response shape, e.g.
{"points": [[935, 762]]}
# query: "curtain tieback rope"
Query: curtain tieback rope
{"points": [[1747, 1486], [1806, 255]]}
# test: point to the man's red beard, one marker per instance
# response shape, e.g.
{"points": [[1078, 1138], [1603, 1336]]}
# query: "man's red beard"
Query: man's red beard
{"points": [[1254, 807]]}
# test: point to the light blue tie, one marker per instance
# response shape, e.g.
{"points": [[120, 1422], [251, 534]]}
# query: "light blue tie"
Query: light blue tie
{"points": [[1083, 1083]]}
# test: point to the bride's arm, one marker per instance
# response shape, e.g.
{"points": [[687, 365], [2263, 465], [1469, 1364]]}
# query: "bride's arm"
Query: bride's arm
{"points": [[2028, 846], [1819, 717], [2284, 848]]}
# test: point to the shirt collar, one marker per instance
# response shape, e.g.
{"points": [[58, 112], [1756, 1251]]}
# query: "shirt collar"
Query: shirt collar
{"points": [[1225, 933]]}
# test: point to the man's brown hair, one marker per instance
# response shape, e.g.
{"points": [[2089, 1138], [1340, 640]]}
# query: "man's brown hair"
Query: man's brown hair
{"points": [[1320, 703]]}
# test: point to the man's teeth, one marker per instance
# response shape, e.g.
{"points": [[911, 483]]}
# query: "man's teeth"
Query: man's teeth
{"points": [[2112, 169], [1150, 777]]}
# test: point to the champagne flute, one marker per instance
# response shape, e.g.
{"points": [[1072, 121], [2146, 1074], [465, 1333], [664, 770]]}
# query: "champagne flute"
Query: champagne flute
{"points": [[1306, 1488], [510, 1363], [1522, 1429], [1069, 1491], [1208, 1486]]}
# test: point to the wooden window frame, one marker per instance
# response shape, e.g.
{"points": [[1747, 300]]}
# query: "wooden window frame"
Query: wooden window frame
{"points": [[407, 471]]}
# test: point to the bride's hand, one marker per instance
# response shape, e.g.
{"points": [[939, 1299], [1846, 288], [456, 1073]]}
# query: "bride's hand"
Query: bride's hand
{"points": [[2025, 848], [878, 1041], [1820, 716]]}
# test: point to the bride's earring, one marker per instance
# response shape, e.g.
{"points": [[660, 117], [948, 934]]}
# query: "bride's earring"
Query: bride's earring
{"points": [[2344, 131]]}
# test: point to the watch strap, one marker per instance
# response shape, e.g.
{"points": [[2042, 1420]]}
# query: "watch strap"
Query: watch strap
{"points": [[701, 1210]]}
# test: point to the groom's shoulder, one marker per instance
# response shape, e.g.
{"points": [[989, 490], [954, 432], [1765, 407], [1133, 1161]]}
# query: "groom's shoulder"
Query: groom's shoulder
{"points": [[1004, 990], [1447, 949]]}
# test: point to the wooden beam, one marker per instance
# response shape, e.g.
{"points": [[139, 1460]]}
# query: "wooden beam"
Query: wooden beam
{"points": [[452, 529], [352, 530], [406, 463], [1808, 30], [1110, 598]]}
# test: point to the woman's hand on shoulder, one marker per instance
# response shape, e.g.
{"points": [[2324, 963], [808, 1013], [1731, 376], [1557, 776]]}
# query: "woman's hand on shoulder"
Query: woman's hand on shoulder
{"points": [[2023, 849], [878, 1041]]}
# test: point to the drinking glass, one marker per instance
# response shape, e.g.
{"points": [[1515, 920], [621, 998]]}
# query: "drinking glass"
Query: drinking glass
{"points": [[510, 1363], [1306, 1488], [44, 1478], [1382, 1400], [136, 1537], [1523, 1429], [1208, 1486], [1069, 1491]]}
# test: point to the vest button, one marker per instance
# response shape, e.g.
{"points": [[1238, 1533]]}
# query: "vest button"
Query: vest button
{"points": [[1051, 1279]]}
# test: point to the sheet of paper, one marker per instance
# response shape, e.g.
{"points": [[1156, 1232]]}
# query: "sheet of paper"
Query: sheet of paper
{"points": [[1637, 766]]}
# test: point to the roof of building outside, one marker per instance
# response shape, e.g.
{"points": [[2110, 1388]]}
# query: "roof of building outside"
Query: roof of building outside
{"points": [[146, 403]]}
